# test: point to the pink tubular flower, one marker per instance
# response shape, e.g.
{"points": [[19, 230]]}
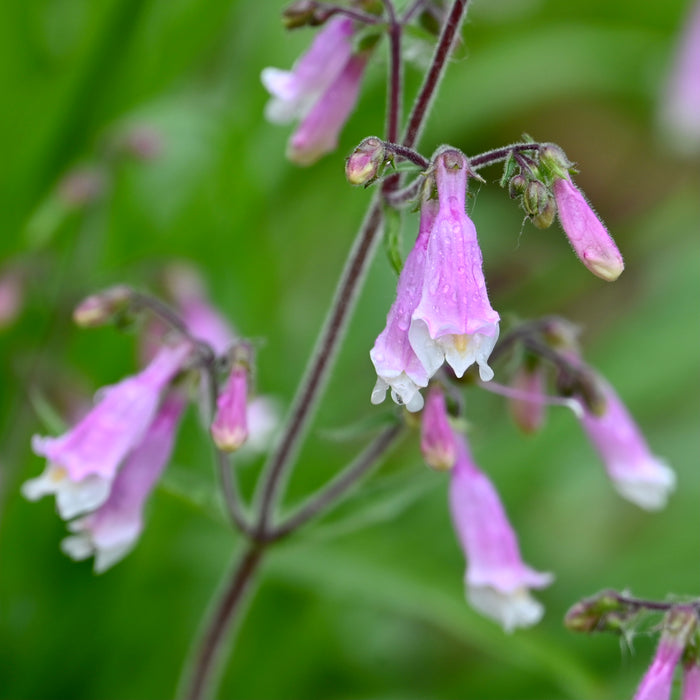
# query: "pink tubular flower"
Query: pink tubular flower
{"points": [[497, 580], [203, 321], [110, 532], [588, 236], [681, 109], [320, 91], [395, 361], [529, 415], [658, 680], [637, 475], [437, 437], [453, 321], [230, 426], [691, 681], [82, 463]]}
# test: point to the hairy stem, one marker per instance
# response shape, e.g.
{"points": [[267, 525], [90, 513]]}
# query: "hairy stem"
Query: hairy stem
{"points": [[448, 37], [498, 155], [208, 655], [395, 74]]}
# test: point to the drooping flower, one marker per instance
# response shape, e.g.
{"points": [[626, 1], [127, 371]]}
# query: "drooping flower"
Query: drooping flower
{"points": [[658, 680], [528, 414], [681, 106], [497, 579], [453, 321], [230, 426], [83, 463], [202, 320], [395, 361], [320, 91], [437, 440], [638, 476], [588, 236], [111, 531]]}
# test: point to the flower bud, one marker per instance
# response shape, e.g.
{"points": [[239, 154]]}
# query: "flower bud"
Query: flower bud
{"points": [[535, 197], [554, 161], [546, 217], [437, 439], [230, 426], [299, 14], [103, 307], [601, 612], [517, 186], [528, 415], [362, 167]]}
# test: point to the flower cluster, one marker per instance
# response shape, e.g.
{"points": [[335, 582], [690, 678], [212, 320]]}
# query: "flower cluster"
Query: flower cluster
{"points": [[320, 91], [103, 470], [442, 312]]}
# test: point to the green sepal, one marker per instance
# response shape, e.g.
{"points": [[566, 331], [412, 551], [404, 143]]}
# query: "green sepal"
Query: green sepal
{"points": [[392, 238]]}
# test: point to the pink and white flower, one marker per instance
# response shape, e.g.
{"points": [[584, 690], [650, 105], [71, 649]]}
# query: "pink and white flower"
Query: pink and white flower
{"points": [[320, 91], [83, 463], [395, 361], [638, 476], [588, 236], [453, 321], [498, 582], [111, 531]]}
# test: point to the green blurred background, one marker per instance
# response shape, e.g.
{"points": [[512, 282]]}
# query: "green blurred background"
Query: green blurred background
{"points": [[369, 603]]}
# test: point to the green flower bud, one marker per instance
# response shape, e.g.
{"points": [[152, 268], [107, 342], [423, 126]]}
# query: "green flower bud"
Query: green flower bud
{"points": [[363, 165], [102, 308]]}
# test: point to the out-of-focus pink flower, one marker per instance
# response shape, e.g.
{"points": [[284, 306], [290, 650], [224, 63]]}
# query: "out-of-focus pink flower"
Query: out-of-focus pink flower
{"points": [[81, 186], [637, 475], [110, 532], [528, 414], [454, 321], [681, 106], [588, 236], [691, 681], [394, 360], [437, 437], [320, 91], [230, 426], [497, 580], [203, 321], [658, 680], [83, 463]]}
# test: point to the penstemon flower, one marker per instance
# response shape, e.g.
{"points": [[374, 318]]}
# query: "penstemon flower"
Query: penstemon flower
{"points": [[588, 236], [437, 439], [497, 580], [110, 532], [691, 681], [83, 463], [638, 475], [320, 91], [454, 321], [658, 680], [681, 107], [395, 361]]}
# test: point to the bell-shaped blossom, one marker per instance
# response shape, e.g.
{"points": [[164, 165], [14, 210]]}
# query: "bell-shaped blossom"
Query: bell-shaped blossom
{"points": [[528, 404], [110, 532], [437, 439], [497, 579], [83, 463], [454, 321], [588, 236], [658, 680], [230, 426], [202, 320], [691, 681], [681, 106], [320, 91], [638, 476], [395, 361]]}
